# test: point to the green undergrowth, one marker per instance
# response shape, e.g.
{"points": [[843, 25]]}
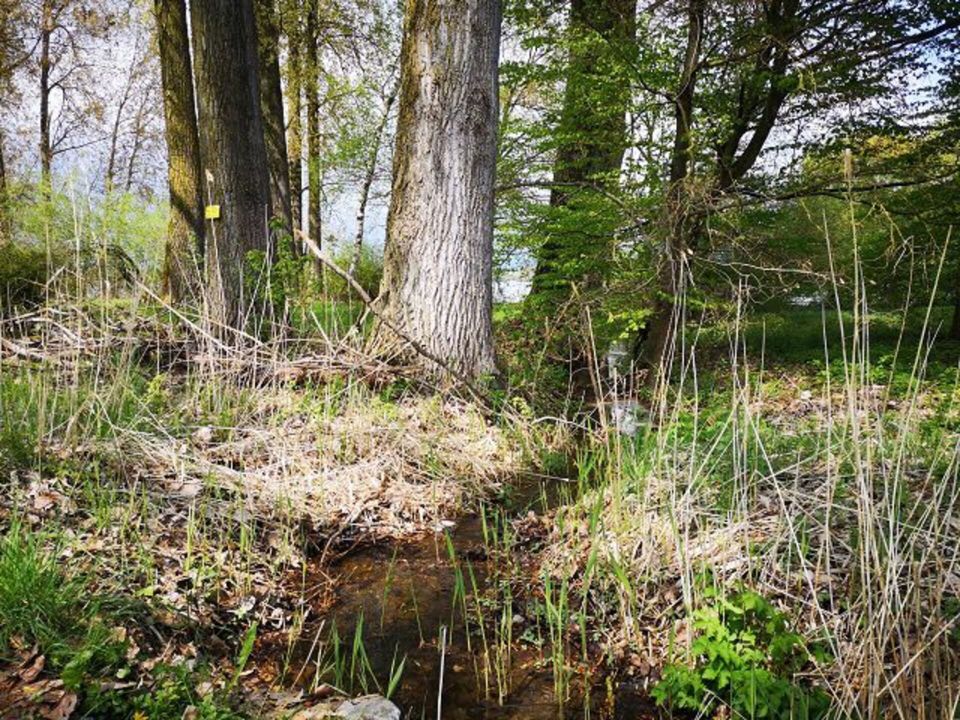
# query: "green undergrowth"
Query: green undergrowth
{"points": [[41, 606], [80, 632], [744, 656]]}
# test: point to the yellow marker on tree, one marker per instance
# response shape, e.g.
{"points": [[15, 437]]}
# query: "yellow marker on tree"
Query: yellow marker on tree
{"points": [[212, 212]]}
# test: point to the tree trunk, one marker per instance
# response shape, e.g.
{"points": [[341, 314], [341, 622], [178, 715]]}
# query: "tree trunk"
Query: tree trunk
{"points": [[312, 89], [271, 107], [232, 151], [184, 248], [112, 156], [681, 217], [368, 182], [955, 323], [5, 225], [46, 148], [437, 284], [593, 131], [294, 68]]}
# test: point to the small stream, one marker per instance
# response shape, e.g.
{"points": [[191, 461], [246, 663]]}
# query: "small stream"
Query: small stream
{"points": [[403, 597]]}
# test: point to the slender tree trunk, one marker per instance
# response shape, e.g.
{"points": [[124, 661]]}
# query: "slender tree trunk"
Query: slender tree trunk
{"points": [[312, 90], [271, 107], [955, 323], [232, 151], [184, 248], [594, 132], [46, 148], [368, 181], [138, 138], [294, 34], [115, 133], [681, 217], [5, 228], [437, 285]]}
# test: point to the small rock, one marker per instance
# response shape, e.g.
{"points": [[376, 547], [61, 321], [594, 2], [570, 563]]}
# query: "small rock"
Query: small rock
{"points": [[203, 435], [368, 707]]}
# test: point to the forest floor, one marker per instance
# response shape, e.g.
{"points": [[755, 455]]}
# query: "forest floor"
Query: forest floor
{"points": [[191, 530]]}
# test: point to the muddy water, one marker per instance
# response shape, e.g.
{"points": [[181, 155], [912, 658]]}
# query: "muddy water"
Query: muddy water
{"points": [[404, 597]]}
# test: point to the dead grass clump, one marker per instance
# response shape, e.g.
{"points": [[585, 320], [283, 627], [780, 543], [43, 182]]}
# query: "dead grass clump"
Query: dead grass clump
{"points": [[345, 459]]}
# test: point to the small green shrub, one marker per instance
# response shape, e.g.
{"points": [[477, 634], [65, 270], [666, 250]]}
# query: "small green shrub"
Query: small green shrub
{"points": [[368, 273], [23, 274], [744, 656], [173, 693]]}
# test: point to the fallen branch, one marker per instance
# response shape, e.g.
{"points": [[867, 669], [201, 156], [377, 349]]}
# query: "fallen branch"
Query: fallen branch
{"points": [[23, 352]]}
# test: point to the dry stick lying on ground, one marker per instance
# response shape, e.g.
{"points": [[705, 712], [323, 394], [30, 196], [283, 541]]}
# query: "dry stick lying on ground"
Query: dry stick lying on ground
{"points": [[368, 301], [20, 351]]}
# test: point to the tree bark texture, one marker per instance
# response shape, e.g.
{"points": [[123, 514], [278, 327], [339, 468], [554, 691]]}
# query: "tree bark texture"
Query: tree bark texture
{"points": [[5, 224], [312, 91], [437, 284], [680, 215], [183, 256], [233, 152], [271, 107], [46, 146], [294, 86]]}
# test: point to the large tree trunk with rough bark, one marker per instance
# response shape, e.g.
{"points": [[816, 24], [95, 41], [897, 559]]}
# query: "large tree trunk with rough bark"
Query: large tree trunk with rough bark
{"points": [[271, 107], [593, 132], [234, 156], [184, 248], [437, 284]]}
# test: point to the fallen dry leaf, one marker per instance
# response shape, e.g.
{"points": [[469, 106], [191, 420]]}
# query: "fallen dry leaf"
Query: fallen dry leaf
{"points": [[63, 709], [29, 673]]}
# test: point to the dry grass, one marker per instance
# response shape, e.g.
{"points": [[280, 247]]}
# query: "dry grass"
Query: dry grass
{"points": [[376, 468], [842, 505]]}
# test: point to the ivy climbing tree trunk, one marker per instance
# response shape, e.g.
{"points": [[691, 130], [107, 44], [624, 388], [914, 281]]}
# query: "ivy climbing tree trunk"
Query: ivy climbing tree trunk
{"points": [[271, 107], [233, 152], [184, 247], [437, 284]]}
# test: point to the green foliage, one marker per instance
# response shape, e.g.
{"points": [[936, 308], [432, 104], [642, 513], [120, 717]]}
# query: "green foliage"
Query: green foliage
{"points": [[19, 423], [523, 349], [282, 283], [745, 656], [41, 605], [23, 273], [173, 693], [109, 240], [368, 272]]}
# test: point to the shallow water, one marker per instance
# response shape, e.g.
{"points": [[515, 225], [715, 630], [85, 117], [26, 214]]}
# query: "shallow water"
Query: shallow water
{"points": [[404, 595]]}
